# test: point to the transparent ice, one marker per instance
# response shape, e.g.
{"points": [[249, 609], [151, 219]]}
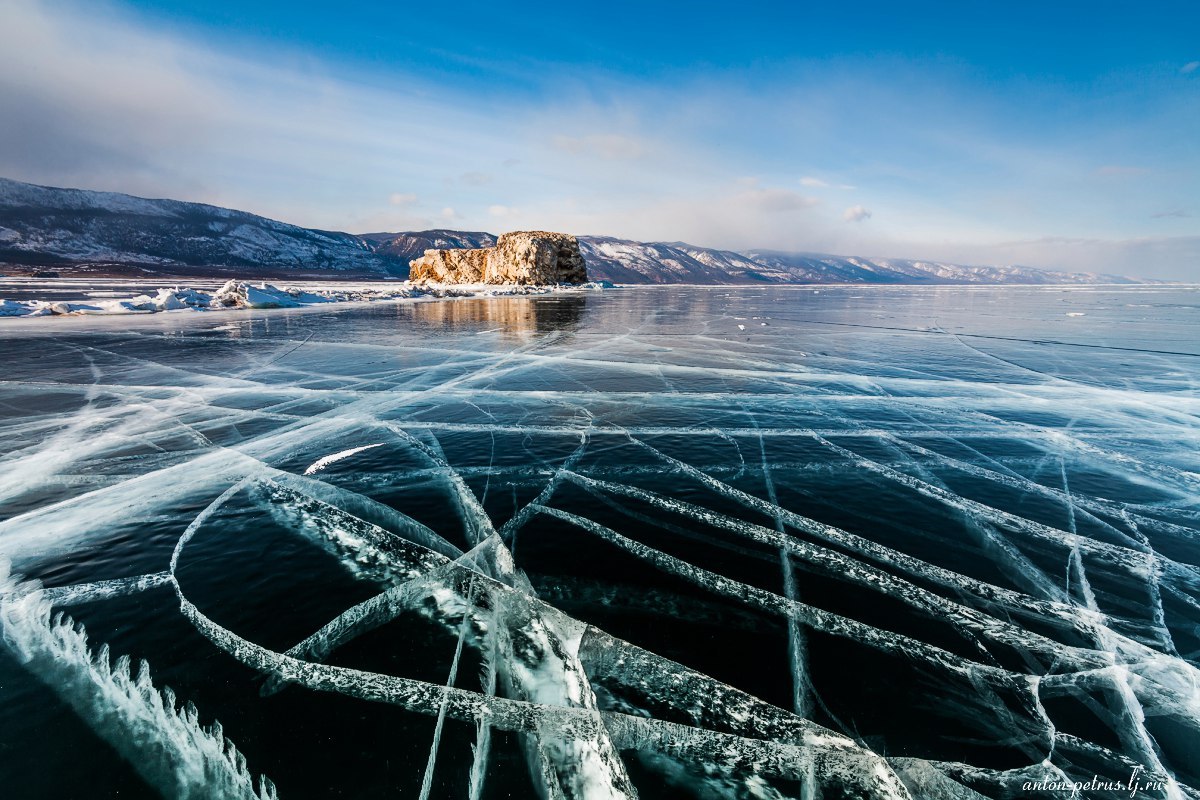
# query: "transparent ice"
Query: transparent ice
{"points": [[964, 521]]}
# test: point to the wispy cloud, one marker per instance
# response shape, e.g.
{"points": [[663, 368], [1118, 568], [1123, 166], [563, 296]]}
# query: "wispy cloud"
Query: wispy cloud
{"points": [[1178, 213], [611, 146], [93, 98], [475, 178], [1146, 256], [93, 95], [1190, 67], [818, 183], [501, 212], [770, 200]]}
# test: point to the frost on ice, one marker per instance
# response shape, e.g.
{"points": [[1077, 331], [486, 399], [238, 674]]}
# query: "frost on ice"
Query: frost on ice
{"points": [[162, 740], [1028, 560]]}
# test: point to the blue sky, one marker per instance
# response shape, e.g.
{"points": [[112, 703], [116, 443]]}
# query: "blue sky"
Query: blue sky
{"points": [[1061, 135]]}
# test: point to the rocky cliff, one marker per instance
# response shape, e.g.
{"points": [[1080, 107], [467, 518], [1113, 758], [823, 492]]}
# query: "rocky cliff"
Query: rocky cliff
{"points": [[451, 266], [521, 257]]}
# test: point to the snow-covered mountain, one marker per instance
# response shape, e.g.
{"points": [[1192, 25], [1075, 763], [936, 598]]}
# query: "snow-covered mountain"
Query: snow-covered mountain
{"points": [[74, 230], [62, 228], [407, 246], [627, 261], [821, 268]]}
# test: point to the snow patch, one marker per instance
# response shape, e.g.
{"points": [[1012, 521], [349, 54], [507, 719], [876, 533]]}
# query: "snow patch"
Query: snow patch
{"points": [[325, 461]]}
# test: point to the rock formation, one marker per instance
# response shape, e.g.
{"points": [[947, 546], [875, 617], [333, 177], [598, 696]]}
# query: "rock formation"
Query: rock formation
{"points": [[450, 266], [522, 257]]}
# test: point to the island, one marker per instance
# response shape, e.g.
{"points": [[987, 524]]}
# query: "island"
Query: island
{"points": [[531, 258]]}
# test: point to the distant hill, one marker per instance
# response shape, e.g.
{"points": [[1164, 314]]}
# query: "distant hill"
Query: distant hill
{"points": [[407, 246], [627, 261], [74, 231], [821, 268]]}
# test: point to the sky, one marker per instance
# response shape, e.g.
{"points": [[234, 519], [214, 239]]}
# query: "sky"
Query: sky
{"points": [[1053, 134]]}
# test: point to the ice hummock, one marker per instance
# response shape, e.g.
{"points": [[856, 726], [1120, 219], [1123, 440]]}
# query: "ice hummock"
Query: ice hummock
{"points": [[242, 294]]}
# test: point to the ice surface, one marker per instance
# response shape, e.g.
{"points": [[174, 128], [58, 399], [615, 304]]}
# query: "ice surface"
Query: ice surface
{"points": [[164, 743], [944, 554]]}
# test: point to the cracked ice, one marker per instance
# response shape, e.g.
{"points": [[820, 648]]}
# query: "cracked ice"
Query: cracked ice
{"points": [[608, 546]]}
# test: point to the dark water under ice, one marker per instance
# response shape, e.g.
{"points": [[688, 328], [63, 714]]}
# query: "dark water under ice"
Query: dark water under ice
{"points": [[948, 539]]}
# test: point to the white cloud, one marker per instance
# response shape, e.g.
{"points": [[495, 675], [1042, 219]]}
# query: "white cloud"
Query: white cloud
{"points": [[1147, 256], [772, 201], [1190, 67], [732, 214], [817, 183], [95, 96], [402, 199], [502, 212], [475, 178], [856, 214], [611, 146]]}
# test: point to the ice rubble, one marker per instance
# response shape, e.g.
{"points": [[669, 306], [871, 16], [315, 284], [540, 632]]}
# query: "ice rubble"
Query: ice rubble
{"points": [[246, 294]]}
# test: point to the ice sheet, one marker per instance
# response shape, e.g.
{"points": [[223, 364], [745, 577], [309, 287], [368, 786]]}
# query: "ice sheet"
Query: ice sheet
{"points": [[657, 548]]}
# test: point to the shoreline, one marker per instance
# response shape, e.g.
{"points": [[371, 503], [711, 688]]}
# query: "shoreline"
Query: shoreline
{"points": [[243, 295], [82, 297]]}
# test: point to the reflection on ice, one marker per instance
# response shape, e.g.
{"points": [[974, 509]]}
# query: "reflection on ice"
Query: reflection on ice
{"points": [[623, 545], [514, 316]]}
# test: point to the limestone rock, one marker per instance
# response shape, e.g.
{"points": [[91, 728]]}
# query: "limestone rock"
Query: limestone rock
{"points": [[521, 257], [536, 257], [450, 266]]}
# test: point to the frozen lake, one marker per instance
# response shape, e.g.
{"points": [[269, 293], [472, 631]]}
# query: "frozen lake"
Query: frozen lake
{"points": [[664, 542]]}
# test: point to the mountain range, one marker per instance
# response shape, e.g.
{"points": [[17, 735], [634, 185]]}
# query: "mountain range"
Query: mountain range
{"points": [[46, 231]]}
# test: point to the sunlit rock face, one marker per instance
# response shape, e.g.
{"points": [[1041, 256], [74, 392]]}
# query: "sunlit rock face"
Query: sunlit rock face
{"points": [[450, 266], [521, 257], [536, 257]]}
